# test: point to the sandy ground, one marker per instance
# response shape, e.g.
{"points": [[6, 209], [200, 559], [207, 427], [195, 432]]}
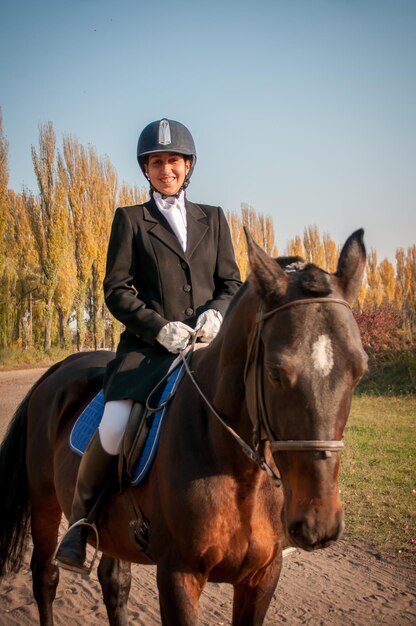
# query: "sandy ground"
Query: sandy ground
{"points": [[349, 584]]}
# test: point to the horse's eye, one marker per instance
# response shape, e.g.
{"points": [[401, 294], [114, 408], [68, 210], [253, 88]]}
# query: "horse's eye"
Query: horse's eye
{"points": [[280, 374], [273, 373]]}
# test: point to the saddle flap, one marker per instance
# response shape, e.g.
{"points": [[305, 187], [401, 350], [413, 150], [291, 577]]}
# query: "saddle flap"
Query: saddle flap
{"points": [[137, 431]]}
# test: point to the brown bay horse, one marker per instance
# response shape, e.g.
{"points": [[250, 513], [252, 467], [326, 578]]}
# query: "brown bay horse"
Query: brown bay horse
{"points": [[280, 374]]}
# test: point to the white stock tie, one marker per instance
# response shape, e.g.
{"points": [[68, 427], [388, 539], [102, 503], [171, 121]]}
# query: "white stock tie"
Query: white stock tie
{"points": [[173, 209]]}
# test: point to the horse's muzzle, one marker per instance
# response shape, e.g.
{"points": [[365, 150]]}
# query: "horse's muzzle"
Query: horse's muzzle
{"points": [[311, 533]]}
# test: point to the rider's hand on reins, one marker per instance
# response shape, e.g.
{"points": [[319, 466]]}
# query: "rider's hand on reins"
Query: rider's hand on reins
{"points": [[208, 325], [175, 336]]}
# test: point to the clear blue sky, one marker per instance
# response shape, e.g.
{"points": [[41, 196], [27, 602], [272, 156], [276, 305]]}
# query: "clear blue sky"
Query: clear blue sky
{"points": [[304, 109]]}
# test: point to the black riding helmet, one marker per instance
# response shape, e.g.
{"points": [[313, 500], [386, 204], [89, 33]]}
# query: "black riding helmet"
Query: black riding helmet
{"points": [[166, 136]]}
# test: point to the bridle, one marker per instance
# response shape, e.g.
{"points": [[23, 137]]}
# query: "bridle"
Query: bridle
{"points": [[261, 422]]}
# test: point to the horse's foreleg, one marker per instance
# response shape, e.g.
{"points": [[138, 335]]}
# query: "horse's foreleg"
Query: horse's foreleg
{"points": [[178, 596], [45, 519], [251, 600], [115, 581]]}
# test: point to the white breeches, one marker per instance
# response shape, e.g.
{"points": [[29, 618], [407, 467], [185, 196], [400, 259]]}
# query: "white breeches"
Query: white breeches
{"points": [[113, 424]]}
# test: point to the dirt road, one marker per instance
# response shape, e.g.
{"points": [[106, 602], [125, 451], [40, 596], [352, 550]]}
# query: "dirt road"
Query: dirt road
{"points": [[348, 584]]}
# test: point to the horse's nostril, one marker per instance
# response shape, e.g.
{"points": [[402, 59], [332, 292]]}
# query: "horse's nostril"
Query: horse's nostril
{"points": [[310, 536], [297, 531]]}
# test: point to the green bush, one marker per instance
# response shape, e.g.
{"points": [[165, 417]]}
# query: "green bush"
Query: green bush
{"points": [[390, 374]]}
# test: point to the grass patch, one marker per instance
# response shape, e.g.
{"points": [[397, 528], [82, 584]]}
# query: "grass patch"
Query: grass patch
{"points": [[26, 359], [378, 470]]}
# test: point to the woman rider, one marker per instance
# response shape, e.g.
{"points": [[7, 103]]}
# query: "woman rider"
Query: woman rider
{"points": [[170, 269]]}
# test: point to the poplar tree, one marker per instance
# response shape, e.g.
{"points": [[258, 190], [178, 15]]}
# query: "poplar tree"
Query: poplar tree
{"points": [[4, 185], [66, 287], [77, 173], [239, 242], [386, 271], [45, 216], [102, 201], [314, 249], [4, 277], [261, 229], [28, 286], [362, 294], [374, 293], [331, 253], [400, 282], [410, 285], [129, 196], [295, 247]]}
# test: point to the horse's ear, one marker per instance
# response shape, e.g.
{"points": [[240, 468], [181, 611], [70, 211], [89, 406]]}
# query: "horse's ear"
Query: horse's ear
{"points": [[351, 265], [268, 277]]}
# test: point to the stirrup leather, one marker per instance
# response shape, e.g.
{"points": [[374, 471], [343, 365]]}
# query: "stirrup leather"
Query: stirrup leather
{"points": [[79, 569]]}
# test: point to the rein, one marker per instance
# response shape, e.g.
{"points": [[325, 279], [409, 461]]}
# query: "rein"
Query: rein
{"points": [[244, 446], [315, 445]]}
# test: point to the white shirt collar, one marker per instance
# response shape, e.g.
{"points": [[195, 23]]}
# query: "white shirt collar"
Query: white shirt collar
{"points": [[169, 201], [174, 210]]}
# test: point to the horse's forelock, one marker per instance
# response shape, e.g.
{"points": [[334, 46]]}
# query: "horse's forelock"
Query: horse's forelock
{"points": [[313, 279], [286, 262], [310, 278]]}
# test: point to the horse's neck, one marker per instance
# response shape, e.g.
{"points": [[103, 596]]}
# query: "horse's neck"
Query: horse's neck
{"points": [[222, 382], [224, 364]]}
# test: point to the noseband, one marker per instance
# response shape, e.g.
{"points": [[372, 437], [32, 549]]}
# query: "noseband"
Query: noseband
{"points": [[261, 420]]}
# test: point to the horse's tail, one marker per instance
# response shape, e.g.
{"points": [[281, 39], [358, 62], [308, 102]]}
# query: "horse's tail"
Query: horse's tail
{"points": [[14, 496]]}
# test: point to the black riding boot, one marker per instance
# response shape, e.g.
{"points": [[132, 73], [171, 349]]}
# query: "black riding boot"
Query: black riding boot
{"points": [[93, 475]]}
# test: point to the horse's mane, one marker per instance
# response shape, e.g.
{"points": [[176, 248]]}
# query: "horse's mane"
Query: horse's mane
{"points": [[237, 296]]}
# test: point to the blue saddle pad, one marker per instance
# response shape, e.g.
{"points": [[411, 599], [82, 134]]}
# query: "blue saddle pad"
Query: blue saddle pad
{"points": [[89, 420]]}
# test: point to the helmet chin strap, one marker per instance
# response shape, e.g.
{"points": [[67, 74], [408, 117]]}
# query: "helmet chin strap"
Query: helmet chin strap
{"points": [[172, 195]]}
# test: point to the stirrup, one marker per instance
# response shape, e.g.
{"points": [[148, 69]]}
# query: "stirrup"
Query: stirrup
{"points": [[79, 569]]}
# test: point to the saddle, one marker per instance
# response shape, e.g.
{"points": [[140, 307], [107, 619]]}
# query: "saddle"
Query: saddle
{"points": [[142, 433]]}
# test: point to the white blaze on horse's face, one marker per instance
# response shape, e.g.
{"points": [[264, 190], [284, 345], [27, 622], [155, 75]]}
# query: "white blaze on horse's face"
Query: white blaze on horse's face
{"points": [[323, 355]]}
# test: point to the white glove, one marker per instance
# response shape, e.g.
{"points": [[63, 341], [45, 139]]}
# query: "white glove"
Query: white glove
{"points": [[208, 325], [175, 336]]}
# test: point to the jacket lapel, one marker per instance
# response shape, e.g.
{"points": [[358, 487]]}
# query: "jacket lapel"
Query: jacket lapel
{"points": [[158, 226], [196, 225]]}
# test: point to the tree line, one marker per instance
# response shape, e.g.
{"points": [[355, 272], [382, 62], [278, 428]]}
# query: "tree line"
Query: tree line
{"points": [[53, 247]]}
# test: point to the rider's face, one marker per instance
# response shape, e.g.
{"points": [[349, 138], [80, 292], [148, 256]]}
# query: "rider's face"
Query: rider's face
{"points": [[167, 172]]}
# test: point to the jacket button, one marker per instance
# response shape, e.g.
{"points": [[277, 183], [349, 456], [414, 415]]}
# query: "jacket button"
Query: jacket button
{"points": [[186, 288], [184, 265], [189, 311]]}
